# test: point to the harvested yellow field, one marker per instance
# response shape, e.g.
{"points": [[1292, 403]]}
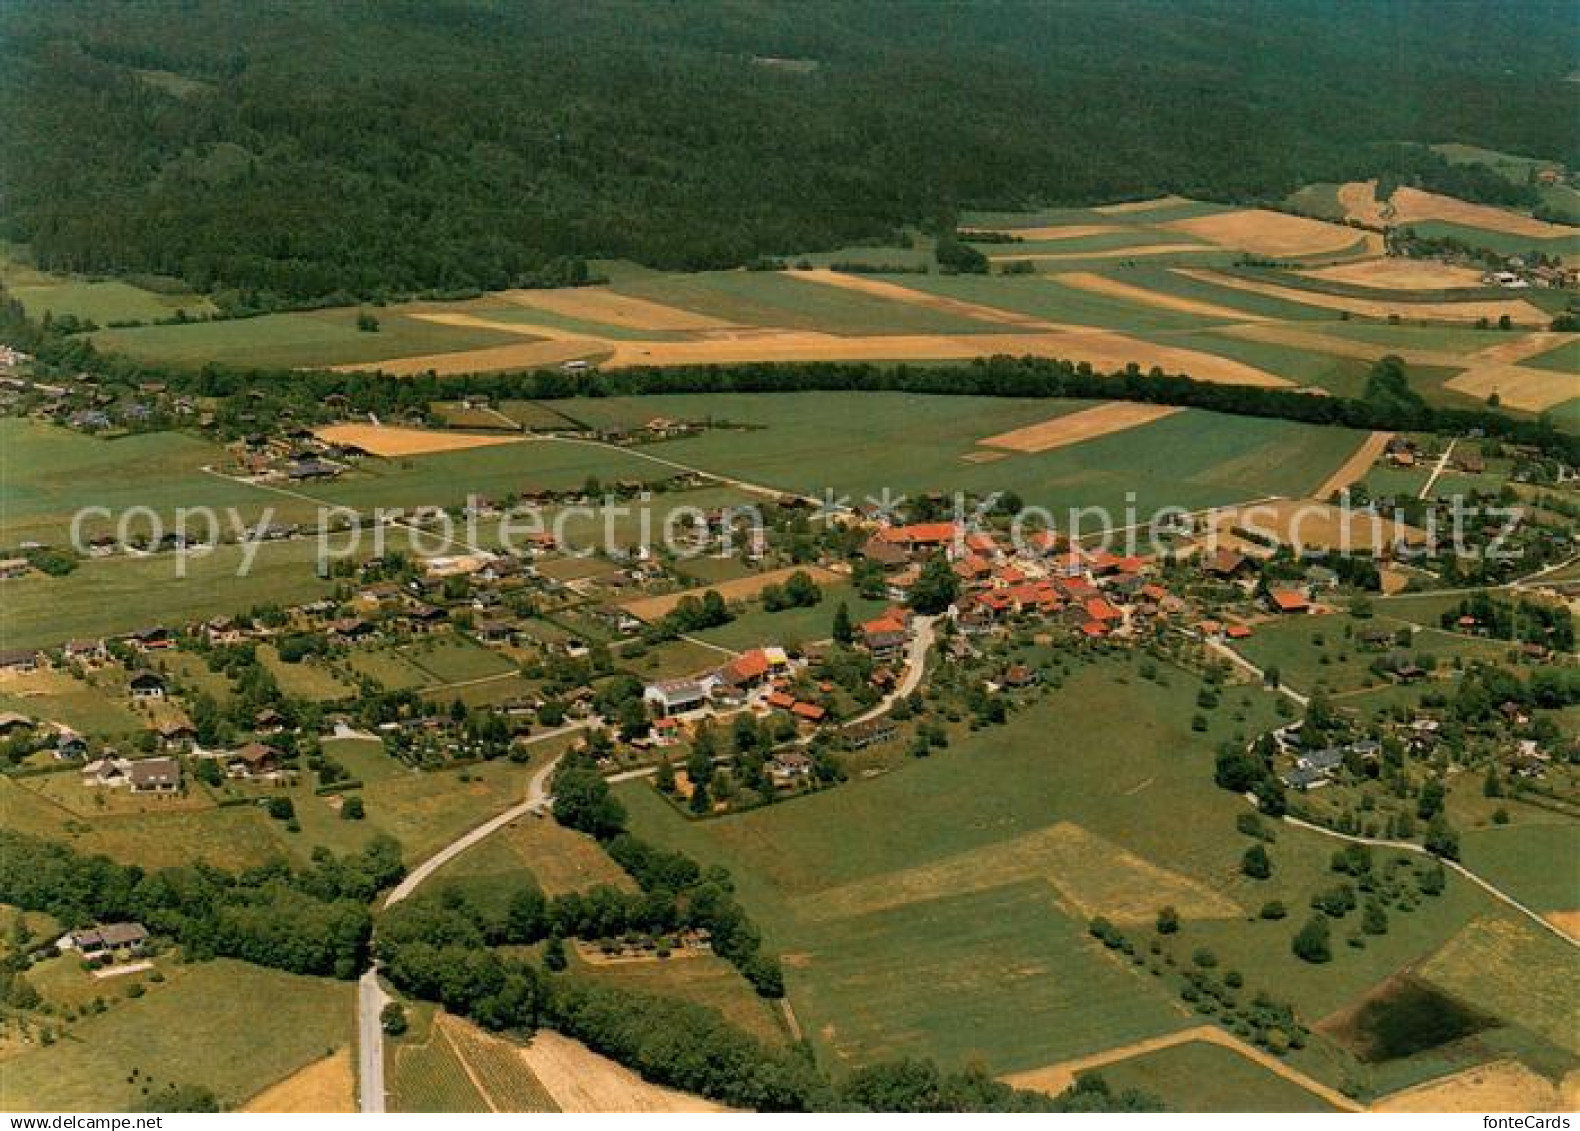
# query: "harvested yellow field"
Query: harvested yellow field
{"points": [[382, 440], [1055, 232], [1140, 205], [1528, 345], [1305, 523], [1535, 390], [1517, 309], [1139, 252], [1129, 292], [1267, 233], [579, 1080], [894, 292], [527, 355], [1093, 876], [1056, 1078], [1356, 467], [1360, 202], [478, 322], [1077, 427], [1502, 1086], [736, 589], [326, 1086], [1399, 274], [1411, 205], [600, 304], [1102, 349], [1566, 921]]}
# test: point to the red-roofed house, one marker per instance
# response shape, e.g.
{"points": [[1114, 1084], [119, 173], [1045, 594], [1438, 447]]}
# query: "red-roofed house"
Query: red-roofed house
{"points": [[920, 535], [1101, 611], [1288, 601]]}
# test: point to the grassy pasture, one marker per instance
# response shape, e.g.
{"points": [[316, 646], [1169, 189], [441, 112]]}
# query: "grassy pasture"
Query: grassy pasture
{"points": [[1537, 862], [84, 706], [184, 1031], [1500, 243], [1319, 200], [859, 443], [106, 301], [1200, 1076], [1043, 296], [757, 626], [1564, 359], [305, 338], [1138, 777], [703, 979], [52, 472], [1167, 282]]}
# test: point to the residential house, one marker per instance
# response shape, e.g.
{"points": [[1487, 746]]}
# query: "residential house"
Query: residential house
{"points": [[21, 660], [109, 939], [146, 684], [154, 775]]}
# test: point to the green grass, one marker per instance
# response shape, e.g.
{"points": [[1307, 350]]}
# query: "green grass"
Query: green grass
{"points": [[1340, 663], [227, 1026], [1043, 296], [50, 473], [756, 626], [1320, 200], [307, 679], [1110, 753], [1564, 359], [319, 337], [425, 1074], [86, 707], [1538, 863], [119, 594], [769, 298], [860, 443], [703, 979], [107, 301], [1165, 281], [453, 659], [1203, 1077], [1501, 243], [1445, 339]]}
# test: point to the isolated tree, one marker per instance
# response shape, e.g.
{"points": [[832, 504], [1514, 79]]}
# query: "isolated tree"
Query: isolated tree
{"points": [[393, 1019], [1313, 942], [844, 631], [1256, 863], [1168, 921]]}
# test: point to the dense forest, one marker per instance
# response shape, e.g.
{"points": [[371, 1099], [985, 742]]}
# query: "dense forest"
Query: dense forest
{"points": [[285, 153]]}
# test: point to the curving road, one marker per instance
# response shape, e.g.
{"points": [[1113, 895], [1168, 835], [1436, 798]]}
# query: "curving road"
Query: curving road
{"points": [[371, 997]]}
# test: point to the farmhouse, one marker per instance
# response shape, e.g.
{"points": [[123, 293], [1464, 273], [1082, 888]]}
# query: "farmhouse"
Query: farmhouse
{"points": [[154, 775], [111, 938], [20, 660], [253, 760], [1288, 601], [789, 767], [85, 650]]}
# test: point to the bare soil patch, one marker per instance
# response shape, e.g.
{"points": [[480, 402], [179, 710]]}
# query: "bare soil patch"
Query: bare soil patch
{"points": [[1360, 202], [580, 1080], [1310, 524], [1412, 205], [1566, 921], [1502, 1086], [1267, 233], [1076, 427], [1492, 309], [380, 440], [1399, 274], [1115, 288], [600, 304], [326, 1085], [1356, 467], [737, 589]]}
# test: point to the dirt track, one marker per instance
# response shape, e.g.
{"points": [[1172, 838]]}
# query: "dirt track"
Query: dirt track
{"points": [[1355, 468], [1057, 1078]]}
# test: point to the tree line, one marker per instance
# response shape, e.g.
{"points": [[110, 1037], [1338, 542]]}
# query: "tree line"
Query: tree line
{"points": [[306, 921]]}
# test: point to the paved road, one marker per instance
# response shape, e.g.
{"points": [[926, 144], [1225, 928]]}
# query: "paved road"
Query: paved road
{"points": [[1452, 865], [371, 997], [371, 1000], [915, 666], [1442, 466]]}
